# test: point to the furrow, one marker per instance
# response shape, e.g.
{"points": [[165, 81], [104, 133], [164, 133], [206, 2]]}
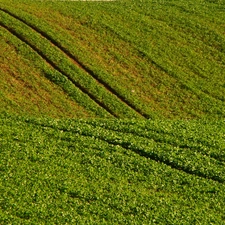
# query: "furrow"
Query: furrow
{"points": [[81, 65], [145, 54], [172, 143], [83, 89], [137, 48], [150, 155], [159, 159]]}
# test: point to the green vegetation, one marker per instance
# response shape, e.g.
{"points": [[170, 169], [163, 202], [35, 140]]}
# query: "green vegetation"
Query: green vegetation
{"points": [[57, 61], [151, 58], [112, 112], [24, 91], [92, 172]]}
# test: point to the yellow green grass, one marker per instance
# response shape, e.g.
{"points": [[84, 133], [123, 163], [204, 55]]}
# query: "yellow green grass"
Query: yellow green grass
{"points": [[165, 59]]}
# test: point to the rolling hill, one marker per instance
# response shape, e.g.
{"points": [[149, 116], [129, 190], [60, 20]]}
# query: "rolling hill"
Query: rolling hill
{"points": [[126, 59], [112, 112]]}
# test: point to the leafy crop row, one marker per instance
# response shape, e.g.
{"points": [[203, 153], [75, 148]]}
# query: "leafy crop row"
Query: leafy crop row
{"points": [[191, 156], [63, 41], [64, 65], [193, 136], [164, 59], [163, 39], [24, 89], [56, 77]]}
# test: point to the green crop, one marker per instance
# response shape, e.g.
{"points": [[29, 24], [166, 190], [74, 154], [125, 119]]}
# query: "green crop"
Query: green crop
{"points": [[86, 172], [151, 58], [64, 65]]}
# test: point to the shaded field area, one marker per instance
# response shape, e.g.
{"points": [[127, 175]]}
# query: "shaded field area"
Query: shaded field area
{"points": [[92, 172]]}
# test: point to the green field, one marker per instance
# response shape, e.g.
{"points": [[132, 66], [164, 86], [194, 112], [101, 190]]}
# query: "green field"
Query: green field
{"points": [[112, 112], [111, 171], [126, 59]]}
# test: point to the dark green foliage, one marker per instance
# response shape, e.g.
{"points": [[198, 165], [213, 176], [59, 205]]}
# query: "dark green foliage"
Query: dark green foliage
{"points": [[111, 171]]}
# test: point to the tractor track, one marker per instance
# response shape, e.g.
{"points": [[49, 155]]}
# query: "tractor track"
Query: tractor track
{"points": [[149, 155], [161, 141], [49, 62], [78, 63]]}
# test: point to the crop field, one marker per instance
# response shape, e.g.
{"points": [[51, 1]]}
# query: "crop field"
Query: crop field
{"points": [[112, 112], [127, 59]]}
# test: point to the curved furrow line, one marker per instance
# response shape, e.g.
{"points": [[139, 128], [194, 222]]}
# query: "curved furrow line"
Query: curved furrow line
{"points": [[161, 141], [78, 63], [125, 145], [76, 84], [154, 156]]}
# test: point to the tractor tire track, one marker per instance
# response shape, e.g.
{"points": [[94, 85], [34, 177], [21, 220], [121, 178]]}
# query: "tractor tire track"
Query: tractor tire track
{"points": [[161, 141], [126, 145], [76, 84], [78, 63]]}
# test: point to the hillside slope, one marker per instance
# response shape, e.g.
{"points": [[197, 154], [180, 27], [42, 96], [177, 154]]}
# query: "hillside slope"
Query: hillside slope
{"points": [[126, 59], [25, 90]]}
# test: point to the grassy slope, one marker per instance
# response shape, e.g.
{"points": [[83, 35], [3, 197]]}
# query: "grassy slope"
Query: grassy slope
{"points": [[163, 59], [24, 89]]}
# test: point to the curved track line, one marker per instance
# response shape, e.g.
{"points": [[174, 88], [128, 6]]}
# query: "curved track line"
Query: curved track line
{"points": [[171, 143], [79, 63], [83, 89], [153, 156]]}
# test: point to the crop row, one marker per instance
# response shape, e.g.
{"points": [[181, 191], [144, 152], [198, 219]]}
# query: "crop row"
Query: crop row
{"points": [[187, 33], [55, 76], [184, 63], [66, 42], [58, 60], [97, 74], [193, 158], [186, 76], [192, 135], [26, 90], [162, 57]]}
